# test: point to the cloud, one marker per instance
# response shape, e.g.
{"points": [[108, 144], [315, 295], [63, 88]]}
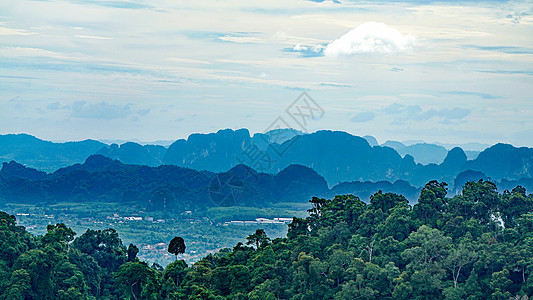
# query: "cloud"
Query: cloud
{"points": [[236, 37], [17, 77], [501, 49], [104, 111], [397, 108], [34, 52], [320, 1], [482, 95], [363, 117], [241, 39], [416, 113], [13, 31], [307, 51], [93, 37], [116, 4], [56, 106], [508, 72], [187, 60], [334, 84], [519, 10], [447, 115], [369, 38]]}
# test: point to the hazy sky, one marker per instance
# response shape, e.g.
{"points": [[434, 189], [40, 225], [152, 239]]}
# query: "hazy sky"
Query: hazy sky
{"points": [[454, 72]]}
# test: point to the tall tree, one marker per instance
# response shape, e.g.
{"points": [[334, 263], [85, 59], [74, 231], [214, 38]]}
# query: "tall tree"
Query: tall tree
{"points": [[132, 252], [176, 246]]}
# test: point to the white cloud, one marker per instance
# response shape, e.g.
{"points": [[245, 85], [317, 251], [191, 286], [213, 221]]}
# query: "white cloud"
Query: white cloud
{"points": [[308, 51], [242, 39], [187, 60], [104, 111], [370, 37], [363, 117], [93, 37], [12, 31], [33, 52], [415, 112], [300, 47]]}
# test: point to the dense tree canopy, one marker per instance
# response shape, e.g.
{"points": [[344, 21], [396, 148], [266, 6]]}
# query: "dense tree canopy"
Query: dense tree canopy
{"points": [[476, 245]]}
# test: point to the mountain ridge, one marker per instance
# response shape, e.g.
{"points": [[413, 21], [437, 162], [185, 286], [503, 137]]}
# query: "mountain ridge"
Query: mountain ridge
{"points": [[336, 155]]}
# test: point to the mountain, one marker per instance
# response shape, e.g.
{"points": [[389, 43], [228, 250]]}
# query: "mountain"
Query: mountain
{"points": [[503, 161], [465, 177], [394, 145], [154, 188], [45, 155], [340, 156], [335, 155], [472, 150], [371, 140], [276, 136], [133, 153], [471, 155], [477, 147], [176, 188], [224, 149], [455, 160], [299, 182], [215, 152], [14, 170], [503, 184], [49, 156], [423, 153]]}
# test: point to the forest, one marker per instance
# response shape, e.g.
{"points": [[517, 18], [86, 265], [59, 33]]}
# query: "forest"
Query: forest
{"points": [[475, 245]]}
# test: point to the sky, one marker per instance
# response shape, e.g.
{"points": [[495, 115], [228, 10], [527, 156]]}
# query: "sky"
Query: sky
{"points": [[449, 72]]}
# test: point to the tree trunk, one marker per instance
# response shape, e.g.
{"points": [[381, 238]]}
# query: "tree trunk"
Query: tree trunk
{"points": [[456, 277], [132, 292]]}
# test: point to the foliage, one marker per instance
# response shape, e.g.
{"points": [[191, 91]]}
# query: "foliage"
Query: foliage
{"points": [[476, 245], [176, 246]]}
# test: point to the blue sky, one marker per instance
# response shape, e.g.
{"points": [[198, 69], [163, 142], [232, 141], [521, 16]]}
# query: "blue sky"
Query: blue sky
{"points": [[453, 72]]}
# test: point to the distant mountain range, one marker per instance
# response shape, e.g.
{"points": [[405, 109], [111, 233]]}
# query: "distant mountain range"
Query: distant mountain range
{"points": [[342, 157], [101, 179], [173, 188], [45, 155], [337, 156], [154, 188]]}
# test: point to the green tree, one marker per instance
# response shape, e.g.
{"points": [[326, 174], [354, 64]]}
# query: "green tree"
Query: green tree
{"points": [[258, 239], [431, 203], [19, 286], [176, 271], [132, 252], [58, 235], [176, 246], [104, 246], [457, 259], [132, 277], [297, 227], [386, 201]]}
